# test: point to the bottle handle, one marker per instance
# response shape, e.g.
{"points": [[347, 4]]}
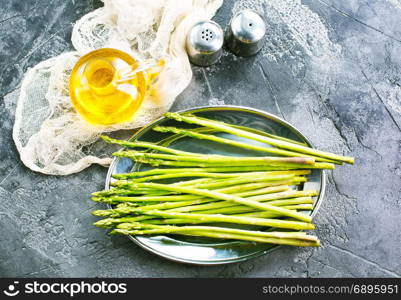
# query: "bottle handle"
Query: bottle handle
{"points": [[151, 67]]}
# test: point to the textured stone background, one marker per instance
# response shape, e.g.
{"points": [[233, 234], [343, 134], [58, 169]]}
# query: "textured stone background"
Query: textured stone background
{"points": [[349, 104]]}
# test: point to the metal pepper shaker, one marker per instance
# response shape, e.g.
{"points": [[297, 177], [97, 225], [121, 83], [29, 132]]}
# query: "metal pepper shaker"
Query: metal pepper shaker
{"points": [[204, 43], [245, 35]]}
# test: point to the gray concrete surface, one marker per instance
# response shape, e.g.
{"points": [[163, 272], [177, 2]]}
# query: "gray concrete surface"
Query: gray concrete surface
{"points": [[347, 102]]}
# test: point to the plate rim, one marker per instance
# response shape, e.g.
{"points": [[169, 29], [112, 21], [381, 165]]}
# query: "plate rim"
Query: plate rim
{"points": [[144, 129]]}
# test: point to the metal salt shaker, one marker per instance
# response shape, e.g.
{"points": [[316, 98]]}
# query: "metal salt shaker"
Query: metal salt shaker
{"points": [[204, 43], [245, 35]]}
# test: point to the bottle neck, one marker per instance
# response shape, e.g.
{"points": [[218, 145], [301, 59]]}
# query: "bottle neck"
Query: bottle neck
{"points": [[101, 76]]}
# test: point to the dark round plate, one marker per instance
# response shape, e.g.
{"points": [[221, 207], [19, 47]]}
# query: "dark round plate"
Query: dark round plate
{"points": [[207, 251]]}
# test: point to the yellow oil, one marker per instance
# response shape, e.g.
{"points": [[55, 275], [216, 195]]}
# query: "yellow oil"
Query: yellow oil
{"points": [[104, 87]]}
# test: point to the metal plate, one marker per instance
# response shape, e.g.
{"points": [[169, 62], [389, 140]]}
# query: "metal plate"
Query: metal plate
{"points": [[204, 251]]}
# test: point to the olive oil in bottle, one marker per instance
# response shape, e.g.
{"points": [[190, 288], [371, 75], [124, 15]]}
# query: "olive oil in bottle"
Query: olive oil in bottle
{"points": [[107, 86]]}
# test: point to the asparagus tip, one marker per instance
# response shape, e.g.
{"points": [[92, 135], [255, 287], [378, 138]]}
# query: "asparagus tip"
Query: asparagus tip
{"points": [[104, 223], [118, 153], [96, 199], [119, 176], [101, 213]]}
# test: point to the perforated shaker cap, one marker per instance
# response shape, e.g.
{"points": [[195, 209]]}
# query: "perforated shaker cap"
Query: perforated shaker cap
{"points": [[204, 43], [246, 33]]}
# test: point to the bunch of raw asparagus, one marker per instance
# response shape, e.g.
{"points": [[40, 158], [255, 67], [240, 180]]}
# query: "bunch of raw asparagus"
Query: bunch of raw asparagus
{"points": [[258, 191]]}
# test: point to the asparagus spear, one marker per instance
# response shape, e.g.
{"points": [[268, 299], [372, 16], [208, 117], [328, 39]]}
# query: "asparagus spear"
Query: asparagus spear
{"points": [[239, 190], [216, 175], [186, 201], [263, 133], [248, 186], [247, 212], [188, 170], [255, 186], [126, 210], [264, 139], [191, 133], [273, 179], [256, 214], [264, 214], [266, 197], [175, 201], [185, 206], [138, 144], [174, 229], [118, 191], [185, 174], [227, 197], [280, 166], [264, 160], [231, 236], [217, 183], [177, 221], [296, 225]]}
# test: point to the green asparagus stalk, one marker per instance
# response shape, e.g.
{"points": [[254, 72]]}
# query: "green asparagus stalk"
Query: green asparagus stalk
{"points": [[118, 191], [227, 197], [217, 175], [263, 160], [147, 145], [236, 209], [249, 129], [231, 236], [188, 200], [272, 180], [264, 214], [263, 133], [244, 190], [204, 182], [240, 187], [276, 166], [217, 183], [249, 189], [185, 174], [296, 225], [191, 133], [187, 203], [255, 186], [122, 211], [126, 210], [239, 190], [266, 197], [216, 208], [195, 181], [235, 219], [256, 214], [188, 170], [268, 190], [242, 133], [291, 204], [267, 234]]}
